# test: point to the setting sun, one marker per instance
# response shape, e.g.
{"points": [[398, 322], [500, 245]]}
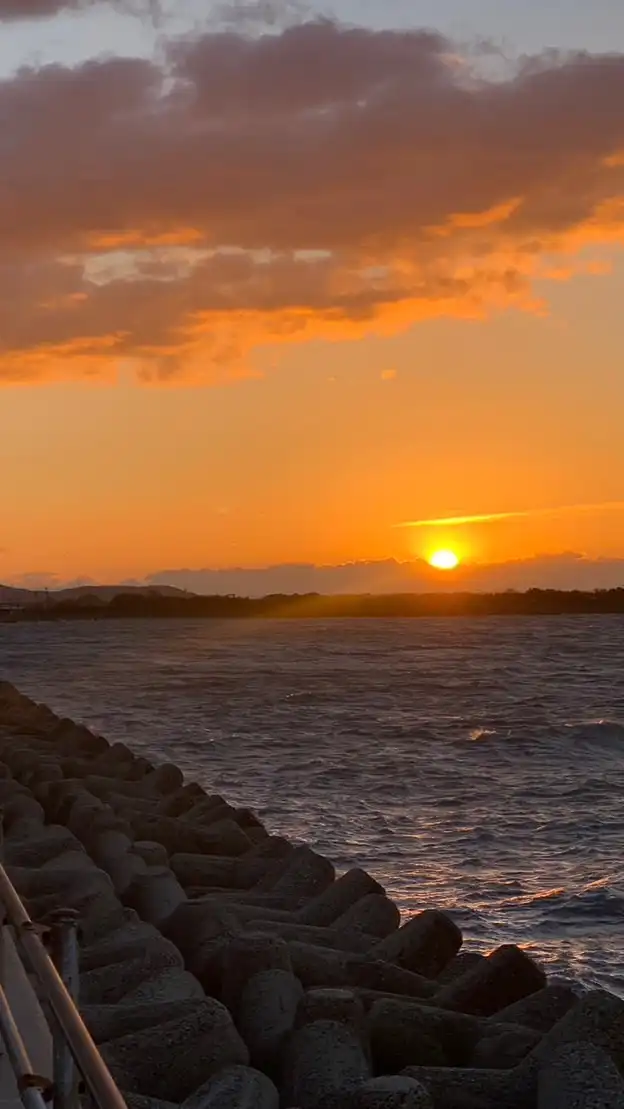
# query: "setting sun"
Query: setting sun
{"points": [[444, 560]]}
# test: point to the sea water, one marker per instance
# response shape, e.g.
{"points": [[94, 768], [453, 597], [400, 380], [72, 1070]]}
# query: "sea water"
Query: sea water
{"points": [[472, 765]]}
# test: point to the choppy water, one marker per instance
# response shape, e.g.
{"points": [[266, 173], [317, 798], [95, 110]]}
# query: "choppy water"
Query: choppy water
{"points": [[476, 765]]}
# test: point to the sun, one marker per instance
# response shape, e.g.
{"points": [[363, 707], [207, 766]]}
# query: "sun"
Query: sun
{"points": [[444, 560]]}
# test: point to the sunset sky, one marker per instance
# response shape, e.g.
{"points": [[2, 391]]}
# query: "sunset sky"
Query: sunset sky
{"points": [[277, 280]]}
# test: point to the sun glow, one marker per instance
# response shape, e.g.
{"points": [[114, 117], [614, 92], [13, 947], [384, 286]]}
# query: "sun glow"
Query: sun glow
{"points": [[444, 560]]}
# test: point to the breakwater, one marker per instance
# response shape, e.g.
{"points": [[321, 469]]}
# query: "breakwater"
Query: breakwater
{"points": [[223, 966]]}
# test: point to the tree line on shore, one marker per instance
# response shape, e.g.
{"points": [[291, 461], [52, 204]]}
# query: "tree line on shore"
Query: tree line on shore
{"points": [[533, 602]]}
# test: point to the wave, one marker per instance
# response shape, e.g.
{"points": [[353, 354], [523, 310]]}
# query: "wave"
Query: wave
{"points": [[604, 733], [595, 905], [477, 734]]}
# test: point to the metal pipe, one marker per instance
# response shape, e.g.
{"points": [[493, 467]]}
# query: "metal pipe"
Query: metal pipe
{"points": [[64, 942], [97, 1077], [30, 1086], [96, 1074], [3, 943], [2, 910]]}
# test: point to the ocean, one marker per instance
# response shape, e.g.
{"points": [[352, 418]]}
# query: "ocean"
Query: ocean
{"points": [[472, 765]]}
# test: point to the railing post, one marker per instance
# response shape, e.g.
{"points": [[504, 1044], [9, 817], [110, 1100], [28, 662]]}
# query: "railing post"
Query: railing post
{"points": [[100, 1084], [65, 955], [3, 912]]}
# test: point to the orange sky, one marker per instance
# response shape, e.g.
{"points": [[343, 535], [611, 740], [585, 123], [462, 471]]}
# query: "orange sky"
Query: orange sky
{"points": [[320, 457], [429, 326]]}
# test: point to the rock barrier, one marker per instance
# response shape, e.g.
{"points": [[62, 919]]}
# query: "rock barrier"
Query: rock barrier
{"points": [[224, 967]]}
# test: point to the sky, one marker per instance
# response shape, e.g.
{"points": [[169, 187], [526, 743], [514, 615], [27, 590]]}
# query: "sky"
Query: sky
{"points": [[290, 284]]}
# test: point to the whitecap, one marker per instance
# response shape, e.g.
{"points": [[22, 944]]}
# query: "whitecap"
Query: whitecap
{"points": [[475, 734]]}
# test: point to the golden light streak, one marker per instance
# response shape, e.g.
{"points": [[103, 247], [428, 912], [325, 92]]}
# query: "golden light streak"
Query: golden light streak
{"points": [[494, 517]]}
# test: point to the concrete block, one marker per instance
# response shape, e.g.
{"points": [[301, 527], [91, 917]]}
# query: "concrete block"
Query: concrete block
{"points": [[333, 901], [507, 975], [155, 894], [425, 944], [322, 1062], [373, 916], [235, 1087], [391, 1091], [540, 1010], [247, 955], [266, 1015], [174, 1059], [580, 1076]]}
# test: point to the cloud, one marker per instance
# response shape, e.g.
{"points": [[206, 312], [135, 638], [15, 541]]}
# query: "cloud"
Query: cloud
{"points": [[14, 10], [253, 16], [174, 217], [560, 571], [565, 571], [497, 517], [36, 579]]}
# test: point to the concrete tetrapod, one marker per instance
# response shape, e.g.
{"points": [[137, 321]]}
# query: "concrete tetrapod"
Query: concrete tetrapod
{"points": [[197, 1046], [464, 961], [35, 850], [470, 1088], [373, 915], [266, 1015], [235, 1087], [108, 984], [337, 898], [247, 955], [322, 966], [343, 1006], [141, 1101], [131, 940], [152, 853], [227, 873], [507, 975], [391, 1091], [109, 1022], [323, 1063], [155, 894], [580, 1076], [540, 1010], [305, 874], [505, 1047], [425, 944]]}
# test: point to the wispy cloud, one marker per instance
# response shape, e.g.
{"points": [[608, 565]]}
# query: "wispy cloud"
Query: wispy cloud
{"points": [[495, 517]]}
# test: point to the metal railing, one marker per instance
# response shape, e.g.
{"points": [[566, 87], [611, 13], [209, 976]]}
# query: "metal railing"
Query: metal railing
{"points": [[73, 1051]]}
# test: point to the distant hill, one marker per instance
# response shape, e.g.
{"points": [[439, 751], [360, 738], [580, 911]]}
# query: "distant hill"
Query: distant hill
{"points": [[94, 594], [10, 596]]}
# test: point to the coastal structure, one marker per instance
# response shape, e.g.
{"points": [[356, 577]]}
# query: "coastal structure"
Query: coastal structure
{"points": [[222, 966]]}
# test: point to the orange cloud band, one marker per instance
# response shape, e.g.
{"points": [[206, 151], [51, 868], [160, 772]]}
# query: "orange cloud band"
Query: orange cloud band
{"points": [[179, 217]]}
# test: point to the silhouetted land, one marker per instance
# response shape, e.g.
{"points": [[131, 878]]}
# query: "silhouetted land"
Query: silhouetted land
{"points": [[535, 602]]}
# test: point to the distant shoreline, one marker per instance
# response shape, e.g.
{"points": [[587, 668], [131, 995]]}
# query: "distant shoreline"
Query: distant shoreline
{"points": [[534, 602]]}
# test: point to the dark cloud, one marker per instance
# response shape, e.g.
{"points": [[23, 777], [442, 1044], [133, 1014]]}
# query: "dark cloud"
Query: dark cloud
{"points": [[253, 16], [14, 10], [564, 571], [560, 571], [320, 180]]}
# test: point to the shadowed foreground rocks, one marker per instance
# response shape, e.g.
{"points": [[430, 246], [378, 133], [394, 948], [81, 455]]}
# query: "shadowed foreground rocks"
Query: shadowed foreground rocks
{"points": [[224, 968]]}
